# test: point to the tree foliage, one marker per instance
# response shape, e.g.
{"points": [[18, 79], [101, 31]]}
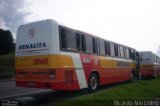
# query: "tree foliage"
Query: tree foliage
{"points": [[6, 42]]}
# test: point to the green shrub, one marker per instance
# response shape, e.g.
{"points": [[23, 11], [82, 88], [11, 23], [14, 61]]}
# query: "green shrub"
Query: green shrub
{"points": [[7, 63]]}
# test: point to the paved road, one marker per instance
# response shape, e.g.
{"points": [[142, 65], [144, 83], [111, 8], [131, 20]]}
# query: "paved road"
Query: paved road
{"points": [[42, 97], [10, 93], [8, 89]]}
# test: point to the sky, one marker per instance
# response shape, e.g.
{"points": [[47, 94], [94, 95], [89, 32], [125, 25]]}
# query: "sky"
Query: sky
{"points": [[135, 23]]}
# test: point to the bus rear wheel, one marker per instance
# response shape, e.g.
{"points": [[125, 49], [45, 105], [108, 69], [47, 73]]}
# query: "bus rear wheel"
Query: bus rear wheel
{"points": [[140, 76], [93, 83]]}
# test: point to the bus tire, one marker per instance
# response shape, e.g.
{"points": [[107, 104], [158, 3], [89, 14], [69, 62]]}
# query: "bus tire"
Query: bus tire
{"points": [[132, 77], [93, 82], [140, 76]]}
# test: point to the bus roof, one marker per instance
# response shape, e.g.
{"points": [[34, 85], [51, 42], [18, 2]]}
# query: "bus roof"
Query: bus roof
{"points": [[76, 30]]}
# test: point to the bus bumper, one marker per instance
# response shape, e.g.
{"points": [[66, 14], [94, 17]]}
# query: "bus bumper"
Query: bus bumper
{"points": [[59, 85]]}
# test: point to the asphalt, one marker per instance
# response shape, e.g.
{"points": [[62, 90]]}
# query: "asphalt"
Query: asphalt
{"points": [[10, 94], [8, 89]]}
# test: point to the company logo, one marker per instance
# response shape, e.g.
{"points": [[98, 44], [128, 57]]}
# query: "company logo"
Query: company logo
{"points": [[32, 46], [31, 33], [86, 60]]}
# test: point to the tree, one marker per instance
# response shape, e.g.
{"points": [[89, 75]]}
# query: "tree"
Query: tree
{"points": [[6, 42]]}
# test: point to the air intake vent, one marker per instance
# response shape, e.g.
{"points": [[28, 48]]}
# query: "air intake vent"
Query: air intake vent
{"points": [[68, 76]]}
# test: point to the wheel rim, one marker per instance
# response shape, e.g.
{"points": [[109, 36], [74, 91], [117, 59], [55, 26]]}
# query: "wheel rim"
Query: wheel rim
{"points": [[131, 76], [140, 75], [93, 83]]}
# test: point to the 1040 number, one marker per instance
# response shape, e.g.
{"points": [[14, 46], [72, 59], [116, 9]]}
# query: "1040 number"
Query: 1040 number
{"points": [[40, 61]]}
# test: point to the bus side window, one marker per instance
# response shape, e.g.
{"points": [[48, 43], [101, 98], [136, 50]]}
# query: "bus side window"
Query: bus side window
{"points": [[71, 40], [122, 51], [130, 54], [112, 49], [83, 42], [94, 45], [133, 54], [78, 41], [116, 50], [127, 53], [97, 44], [63, 38], [119, 53], [89, 45], [107, 48], [102, 48]]}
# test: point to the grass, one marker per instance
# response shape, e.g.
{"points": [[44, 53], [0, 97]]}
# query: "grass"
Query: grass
{"points": [[140, 90], [7, 65]]}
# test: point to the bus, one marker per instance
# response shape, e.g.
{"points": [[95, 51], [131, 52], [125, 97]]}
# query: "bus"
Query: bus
{"points": [[50, 55], [150, 64]]}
